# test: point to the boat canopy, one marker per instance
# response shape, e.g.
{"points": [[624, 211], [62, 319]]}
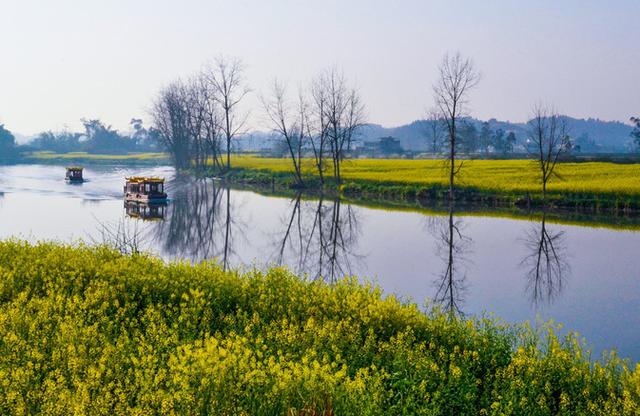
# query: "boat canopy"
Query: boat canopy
{"points": [[74, 173], [144, 179]]}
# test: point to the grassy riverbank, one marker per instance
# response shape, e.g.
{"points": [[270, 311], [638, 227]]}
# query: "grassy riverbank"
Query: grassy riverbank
{"points": [[86, 158], [89, 331], [592, 185]]}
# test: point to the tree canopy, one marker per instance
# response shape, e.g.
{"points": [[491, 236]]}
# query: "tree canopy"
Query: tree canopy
{"points": [[7, 142]]}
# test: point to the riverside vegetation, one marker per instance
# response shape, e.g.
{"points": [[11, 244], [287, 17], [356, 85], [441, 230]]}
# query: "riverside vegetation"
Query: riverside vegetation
{"points": [[87, 330], [599, 186], [594, 185], [92, 158]]}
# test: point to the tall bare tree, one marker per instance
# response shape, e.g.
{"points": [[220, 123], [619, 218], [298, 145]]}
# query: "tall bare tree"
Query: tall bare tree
{"points": [[187, 118], [289, 124], [548, 140], [170, 118], [212, 123], [226, 78], [340, 114], [457, 77], [319, 128]]}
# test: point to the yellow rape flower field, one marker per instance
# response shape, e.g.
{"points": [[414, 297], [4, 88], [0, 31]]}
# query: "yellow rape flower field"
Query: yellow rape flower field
{"points": [[486, 175], [89, 331]]}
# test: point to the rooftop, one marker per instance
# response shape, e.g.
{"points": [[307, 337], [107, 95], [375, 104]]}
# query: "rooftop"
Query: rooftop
{"points": [[144, 179]]}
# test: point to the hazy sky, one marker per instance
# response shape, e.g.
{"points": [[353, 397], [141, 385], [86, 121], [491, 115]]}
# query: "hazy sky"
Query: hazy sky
{"points": [[62, 60]]}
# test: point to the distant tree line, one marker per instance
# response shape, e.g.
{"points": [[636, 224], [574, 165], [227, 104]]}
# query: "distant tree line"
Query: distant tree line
{"points": [[469, 138], [7, 143], [98, 137]]}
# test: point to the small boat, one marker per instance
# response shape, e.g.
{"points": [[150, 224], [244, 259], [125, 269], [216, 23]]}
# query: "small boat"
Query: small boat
{"points": [[145, 189], [74, 174]]}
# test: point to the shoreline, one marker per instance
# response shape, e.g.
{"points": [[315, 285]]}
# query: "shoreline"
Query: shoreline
{"points": [[428, 196]]}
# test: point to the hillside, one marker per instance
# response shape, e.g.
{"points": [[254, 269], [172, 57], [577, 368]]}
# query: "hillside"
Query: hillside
{"points": [[604, 136]]}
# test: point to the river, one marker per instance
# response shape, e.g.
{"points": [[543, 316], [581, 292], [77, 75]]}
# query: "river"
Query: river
{"points": [[584, 277]]}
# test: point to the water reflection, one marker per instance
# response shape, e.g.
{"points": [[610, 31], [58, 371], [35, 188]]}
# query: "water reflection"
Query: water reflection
{"points": [[546, 264], [201, 224], [145, 212], [452, 247], [319, 238]]}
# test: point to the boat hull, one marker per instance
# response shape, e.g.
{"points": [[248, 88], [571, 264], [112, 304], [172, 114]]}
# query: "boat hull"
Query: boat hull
{"points": [[147, 199]]}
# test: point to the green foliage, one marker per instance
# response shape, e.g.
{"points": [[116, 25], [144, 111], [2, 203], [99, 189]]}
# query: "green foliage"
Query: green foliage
{"points": [[83, 157], [90, 331], [7, 142]]}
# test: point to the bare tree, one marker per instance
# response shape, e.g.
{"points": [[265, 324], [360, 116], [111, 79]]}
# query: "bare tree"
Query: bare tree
{"points": [[189, 121], [318, 129], [226, 80], [457, 76], [548, 140], [212, 123], [434, 130], [291, 127], [170, 119], [340, 115]]}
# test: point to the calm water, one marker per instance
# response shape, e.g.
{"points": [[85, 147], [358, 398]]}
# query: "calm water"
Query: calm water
{"points": [[585, 278]]}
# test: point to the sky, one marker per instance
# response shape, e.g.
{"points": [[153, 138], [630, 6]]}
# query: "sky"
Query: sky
{"points": [[64, 60]]}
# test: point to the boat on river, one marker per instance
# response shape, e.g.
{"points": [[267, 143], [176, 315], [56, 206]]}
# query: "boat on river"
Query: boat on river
{"points": [[74, 174], [145, 189]]}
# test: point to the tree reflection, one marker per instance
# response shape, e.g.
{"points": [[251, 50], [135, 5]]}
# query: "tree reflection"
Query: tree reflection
{"points": [[546, 263], [452, 246], [201, 223], [319, 238]]}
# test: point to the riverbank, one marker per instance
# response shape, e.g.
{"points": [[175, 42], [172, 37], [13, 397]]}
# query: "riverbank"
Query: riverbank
{"points": [[90, 158], [580, 217], [98, 332], [600, 187]]}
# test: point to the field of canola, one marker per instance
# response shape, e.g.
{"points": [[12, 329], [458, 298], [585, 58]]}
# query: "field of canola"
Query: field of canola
{"points": [[502, 176], [90, 331]]}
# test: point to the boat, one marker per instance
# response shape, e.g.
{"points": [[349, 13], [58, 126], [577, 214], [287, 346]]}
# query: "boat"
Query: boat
{"points": [[74, 174], [145, 189]]}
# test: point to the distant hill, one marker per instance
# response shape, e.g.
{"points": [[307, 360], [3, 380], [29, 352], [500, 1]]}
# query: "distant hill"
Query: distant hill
{"points": [[592, 135], [597, 135]]}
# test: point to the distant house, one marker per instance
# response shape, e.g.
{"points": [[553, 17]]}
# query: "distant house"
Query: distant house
{"points": [[384, 146]]}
